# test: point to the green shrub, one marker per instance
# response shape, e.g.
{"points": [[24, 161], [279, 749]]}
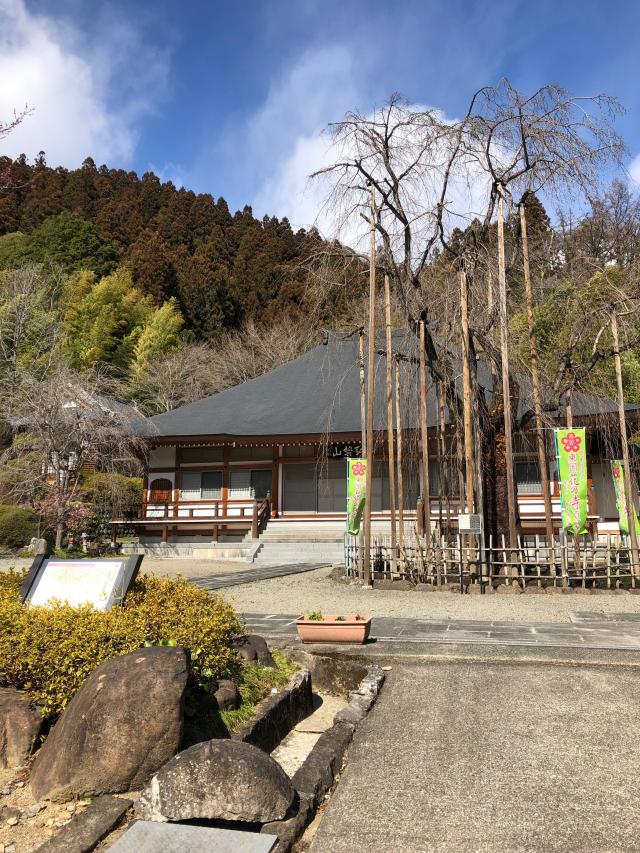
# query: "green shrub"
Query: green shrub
{"points": [[50, 651], [112, 490], [17, 526]]}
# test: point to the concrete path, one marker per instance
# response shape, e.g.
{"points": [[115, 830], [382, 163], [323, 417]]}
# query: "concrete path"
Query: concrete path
{"points": [[487, 755], [222, 581], [589, 630]]}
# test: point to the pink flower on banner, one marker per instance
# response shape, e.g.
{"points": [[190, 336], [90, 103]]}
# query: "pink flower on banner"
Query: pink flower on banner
{"points": [[359, 470], [571, 442]]}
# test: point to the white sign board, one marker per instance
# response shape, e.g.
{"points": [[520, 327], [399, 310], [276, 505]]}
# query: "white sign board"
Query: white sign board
{"points": [[100, 583], [470, 524]]}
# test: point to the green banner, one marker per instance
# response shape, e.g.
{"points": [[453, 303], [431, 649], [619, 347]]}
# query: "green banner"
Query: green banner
{"points": [[356, 491], [571, 453], [617, 472]]}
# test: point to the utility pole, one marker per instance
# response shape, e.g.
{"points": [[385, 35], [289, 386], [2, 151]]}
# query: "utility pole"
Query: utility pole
{"points": [[535, 382], [628, 491], [425, 442], [506, 388], [466, 386], [370, 388]]}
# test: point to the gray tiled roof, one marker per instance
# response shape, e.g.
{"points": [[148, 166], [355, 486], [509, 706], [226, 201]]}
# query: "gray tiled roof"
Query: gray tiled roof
{"points": [[319, 392]]}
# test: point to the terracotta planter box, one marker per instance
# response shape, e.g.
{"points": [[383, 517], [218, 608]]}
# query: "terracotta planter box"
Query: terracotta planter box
{"points": [[332, 630]]}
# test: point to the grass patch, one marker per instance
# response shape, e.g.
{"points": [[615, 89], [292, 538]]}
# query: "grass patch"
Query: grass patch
{"points": [[255, 684]]}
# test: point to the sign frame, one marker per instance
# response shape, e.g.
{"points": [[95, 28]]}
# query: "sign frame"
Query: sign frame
{"points": [[130, 568]]}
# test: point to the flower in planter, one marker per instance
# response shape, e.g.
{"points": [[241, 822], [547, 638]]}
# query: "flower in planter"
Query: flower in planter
{"points": [[340, 619], [315, 616]]}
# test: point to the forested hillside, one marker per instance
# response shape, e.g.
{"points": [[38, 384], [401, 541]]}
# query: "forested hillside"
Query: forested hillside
{"points": [[222, 268]]}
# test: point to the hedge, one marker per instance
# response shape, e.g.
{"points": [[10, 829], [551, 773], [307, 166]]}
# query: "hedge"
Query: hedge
{"points": [[17, 526], [50, 651]]}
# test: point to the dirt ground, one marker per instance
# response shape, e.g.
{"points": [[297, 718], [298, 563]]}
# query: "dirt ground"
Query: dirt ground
{"points": [[25, 824]]}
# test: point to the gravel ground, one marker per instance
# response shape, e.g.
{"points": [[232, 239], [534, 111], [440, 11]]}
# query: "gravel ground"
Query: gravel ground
{"points": [[298, 594], [315, 590], [161, 566]]}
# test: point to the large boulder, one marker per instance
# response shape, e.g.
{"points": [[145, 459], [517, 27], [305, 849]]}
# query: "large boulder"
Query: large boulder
{"points": [[254, 649], [219, 780], [20, 725], [121, 726]]}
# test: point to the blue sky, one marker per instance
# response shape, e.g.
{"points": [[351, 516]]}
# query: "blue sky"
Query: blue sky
{"points": [[230, 97]]}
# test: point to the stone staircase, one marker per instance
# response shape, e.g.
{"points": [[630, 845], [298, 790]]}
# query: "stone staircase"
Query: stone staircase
{"points": [[287, 541]]}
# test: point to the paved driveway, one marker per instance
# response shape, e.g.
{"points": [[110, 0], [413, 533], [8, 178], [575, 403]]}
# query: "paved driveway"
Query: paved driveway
{"points": [[487, 755]]}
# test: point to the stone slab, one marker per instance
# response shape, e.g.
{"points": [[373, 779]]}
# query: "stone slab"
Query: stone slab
{"points": [[613, 634], [89, 827], [149, 837]]}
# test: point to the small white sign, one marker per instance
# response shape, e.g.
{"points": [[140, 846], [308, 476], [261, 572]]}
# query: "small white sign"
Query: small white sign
{"points": [[100, 583], [470, 523]]}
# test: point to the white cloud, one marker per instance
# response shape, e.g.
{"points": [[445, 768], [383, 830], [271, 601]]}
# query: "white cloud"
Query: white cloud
{"points": [[286, 144], [285, 135], [68, 81], [634, 170]]}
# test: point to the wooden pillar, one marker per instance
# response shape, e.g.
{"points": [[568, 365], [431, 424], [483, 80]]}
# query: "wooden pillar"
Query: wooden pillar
{"points": [[506, 385], [628, 491], [424, 441], [535, 382], [371, 367], [390, 448], [275, 473], [225, 480]]}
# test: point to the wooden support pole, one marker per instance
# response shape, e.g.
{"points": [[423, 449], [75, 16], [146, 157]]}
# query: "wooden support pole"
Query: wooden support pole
{"points": [[425, 442], [399, 459], [535, 382], [371, 367], [363, 437], [466, 387], [506, 385], [363, 399], [628, 491], [445, 485], [390, 442]]}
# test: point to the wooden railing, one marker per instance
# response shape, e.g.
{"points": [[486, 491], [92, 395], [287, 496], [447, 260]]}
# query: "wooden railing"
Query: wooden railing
{"points": [[261, 514]]}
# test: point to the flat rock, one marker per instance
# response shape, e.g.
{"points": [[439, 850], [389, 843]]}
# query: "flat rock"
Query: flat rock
{"points": [[89, 827], [226, 696], [20, 725], [122, 725], [218, 780]]}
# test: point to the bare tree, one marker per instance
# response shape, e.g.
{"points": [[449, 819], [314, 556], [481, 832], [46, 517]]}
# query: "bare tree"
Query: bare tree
{"points": [[5, 129], [197, 370], [431, 174]]}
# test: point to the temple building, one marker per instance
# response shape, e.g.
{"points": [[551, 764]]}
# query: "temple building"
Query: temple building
{"points": [[222, 468]]}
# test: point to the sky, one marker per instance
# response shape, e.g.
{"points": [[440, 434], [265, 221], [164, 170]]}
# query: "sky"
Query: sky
{"points": [[231, 98]]}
